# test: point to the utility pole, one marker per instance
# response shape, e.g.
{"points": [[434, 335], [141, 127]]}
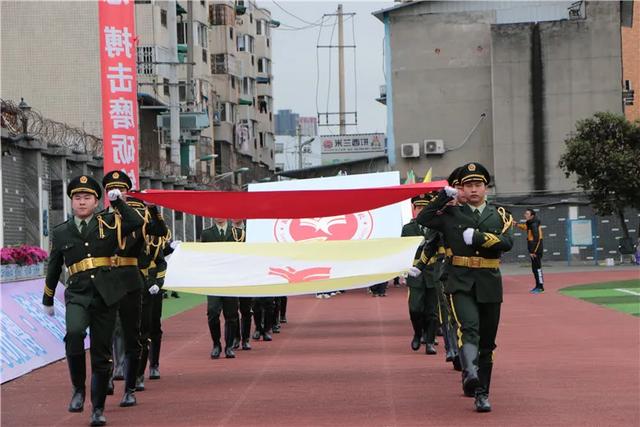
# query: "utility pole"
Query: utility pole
{"points": [[174, 101], [299, 135], [342, 121]]}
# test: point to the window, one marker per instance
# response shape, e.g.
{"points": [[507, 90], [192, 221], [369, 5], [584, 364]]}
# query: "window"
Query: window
{"points": [[261, 136], [182, 33], [264, 66], [165, 86], [233, 82], [204, 55], [267, 42], [240, 42], [218, 150], [202, 2], [145, 60], [253, 60], [245, 85], [231, 33], [203, 39], [251, 18], [279, 147], [249, 43], [182, 90], [227, 112], [163, 17], [259, 27], [57, 196]]}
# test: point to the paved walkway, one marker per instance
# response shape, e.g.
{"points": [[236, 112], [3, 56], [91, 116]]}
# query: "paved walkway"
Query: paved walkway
{"points": [[346, 361]]}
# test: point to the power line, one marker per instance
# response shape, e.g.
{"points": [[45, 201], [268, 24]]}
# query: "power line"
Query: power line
{"points": [[295, 16]]}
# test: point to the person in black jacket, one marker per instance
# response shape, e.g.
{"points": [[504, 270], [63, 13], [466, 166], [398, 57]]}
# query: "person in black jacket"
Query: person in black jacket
{"points": [[534, 245]]}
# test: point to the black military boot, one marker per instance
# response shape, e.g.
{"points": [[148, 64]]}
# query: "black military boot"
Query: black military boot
{"points": [[245, 332], [118, 353], [110, 387], [154, 358], [268, 324], [229, 339], [131, 375], [430, 349], [217, 349], [416, 322], [482, 403], [214, 330], [78, 373], [140, 383], [98, 396], [468, 356]]}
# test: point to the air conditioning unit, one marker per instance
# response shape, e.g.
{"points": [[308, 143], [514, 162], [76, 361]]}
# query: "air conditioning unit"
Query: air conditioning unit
{"points": [[433, 146], [410, 150]]}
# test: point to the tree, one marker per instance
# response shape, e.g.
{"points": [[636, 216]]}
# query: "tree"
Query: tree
{"points": [[604, 153]]}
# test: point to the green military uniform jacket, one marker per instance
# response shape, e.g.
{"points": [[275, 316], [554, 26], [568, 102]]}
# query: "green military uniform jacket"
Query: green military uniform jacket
{"points": [[135, 247], [157, 264], [100, 240], [426, 278], [212, 234], [491, 238]]}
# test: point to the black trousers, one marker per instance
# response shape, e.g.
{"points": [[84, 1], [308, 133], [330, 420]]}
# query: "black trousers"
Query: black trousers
{"points": [[423, 307], [150, 330], [263, 311], [536, 268], [477, 324], [229, 307], [100, 319], [243, 331]]}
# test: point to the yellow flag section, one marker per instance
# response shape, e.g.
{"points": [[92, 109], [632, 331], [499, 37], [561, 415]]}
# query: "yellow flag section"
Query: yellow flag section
{"points": [[279, 269]]}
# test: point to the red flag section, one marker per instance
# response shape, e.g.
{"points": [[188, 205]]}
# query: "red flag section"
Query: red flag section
{"points": [[284, 204]]}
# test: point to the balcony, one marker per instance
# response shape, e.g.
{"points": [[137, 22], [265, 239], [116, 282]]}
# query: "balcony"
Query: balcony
{"points": [[224, 64]]}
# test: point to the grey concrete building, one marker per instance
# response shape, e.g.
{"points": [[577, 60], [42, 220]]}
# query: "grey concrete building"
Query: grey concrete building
{"points": [[502, 83]]}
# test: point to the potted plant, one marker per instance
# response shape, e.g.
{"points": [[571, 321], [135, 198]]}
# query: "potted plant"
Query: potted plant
{"points": [[27, 262], [7, 265]]}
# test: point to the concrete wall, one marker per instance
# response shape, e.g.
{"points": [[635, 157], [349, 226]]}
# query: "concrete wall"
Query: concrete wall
{"points": [[50, 57], [534, 81], [441, 72]]}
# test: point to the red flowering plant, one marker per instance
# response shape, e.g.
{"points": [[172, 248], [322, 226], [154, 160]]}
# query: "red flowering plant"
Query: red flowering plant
{"points": [[23, 255], [6, 256]]}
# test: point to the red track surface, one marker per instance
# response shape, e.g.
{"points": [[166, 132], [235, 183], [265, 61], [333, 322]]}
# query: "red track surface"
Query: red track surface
{"points": [[346, 361]]}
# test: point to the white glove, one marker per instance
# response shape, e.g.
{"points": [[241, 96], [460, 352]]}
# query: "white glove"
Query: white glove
{"points": [[175, 244], [154, 289], [48, 309], [114, 194], [451, 192], [467, 235], [414, 271]]}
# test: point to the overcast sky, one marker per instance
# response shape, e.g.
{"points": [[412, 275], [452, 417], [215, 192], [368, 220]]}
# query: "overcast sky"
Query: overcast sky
{"points": [[295, 64]]}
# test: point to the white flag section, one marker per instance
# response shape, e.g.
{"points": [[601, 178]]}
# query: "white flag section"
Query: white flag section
{"points": [[279, 269], [378, 223]]}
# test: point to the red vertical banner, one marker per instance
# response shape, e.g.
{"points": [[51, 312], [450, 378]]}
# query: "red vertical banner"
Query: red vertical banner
{"points": [[119, 87]]}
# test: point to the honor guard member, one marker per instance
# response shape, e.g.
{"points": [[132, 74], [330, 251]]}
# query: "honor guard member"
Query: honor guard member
{"points": [[243, 331], [534, 246], [477, 234], [221, 232], [86, 244], [422, 295], [447, 320], [154, 272], [155, 331], [128, 273]]}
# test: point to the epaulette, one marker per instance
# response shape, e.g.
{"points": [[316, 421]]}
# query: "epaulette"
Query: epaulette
{"points": [[507, 218]]}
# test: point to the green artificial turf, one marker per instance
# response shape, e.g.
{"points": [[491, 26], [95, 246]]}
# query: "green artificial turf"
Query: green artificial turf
{"points": [[172, 306], [622, 295]]}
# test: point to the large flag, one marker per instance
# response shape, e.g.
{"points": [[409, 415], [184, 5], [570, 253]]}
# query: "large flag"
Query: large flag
{"points": [[272, 269], [284, 204]]}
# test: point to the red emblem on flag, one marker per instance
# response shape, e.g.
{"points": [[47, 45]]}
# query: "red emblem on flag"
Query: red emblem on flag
{"points": [[295, 276], [357, 226]]}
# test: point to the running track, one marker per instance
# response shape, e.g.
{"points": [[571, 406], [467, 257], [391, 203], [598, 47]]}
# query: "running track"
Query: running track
{"points": [[346, 361]]}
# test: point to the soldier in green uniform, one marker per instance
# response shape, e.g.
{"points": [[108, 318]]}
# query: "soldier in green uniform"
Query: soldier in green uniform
{"points": [[477, 234], [243, 330], [130, 255], [86, 244], [153, 258], [221, 232], [422, 291]]}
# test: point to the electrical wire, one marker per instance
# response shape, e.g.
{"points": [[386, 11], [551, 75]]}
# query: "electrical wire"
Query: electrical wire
{"points": [[295, 16]]}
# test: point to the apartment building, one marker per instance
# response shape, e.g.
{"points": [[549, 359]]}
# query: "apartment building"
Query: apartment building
{"points": [[240, 42]]}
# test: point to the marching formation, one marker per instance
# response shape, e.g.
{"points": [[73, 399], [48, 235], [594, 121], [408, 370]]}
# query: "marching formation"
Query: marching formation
{"points": [[455, 283], [116, 263]]}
